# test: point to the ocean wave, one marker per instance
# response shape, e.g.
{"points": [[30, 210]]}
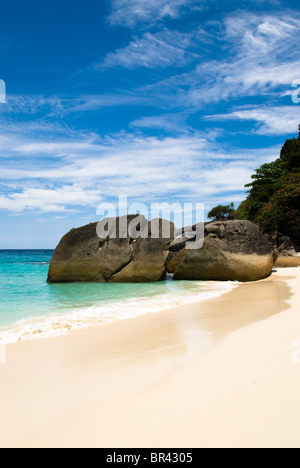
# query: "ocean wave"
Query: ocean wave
{"points": [[62, 323]]}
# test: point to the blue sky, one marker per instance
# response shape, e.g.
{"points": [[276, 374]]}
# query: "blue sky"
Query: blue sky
{"points": [[159, 100]]}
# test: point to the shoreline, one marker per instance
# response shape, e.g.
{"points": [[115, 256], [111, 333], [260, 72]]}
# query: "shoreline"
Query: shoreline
{"points": [[162, 379], [63, 323]]}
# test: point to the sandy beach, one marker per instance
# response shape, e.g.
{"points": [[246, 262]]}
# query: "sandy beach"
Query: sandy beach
{"points": [[218, 373], [150, 226]]}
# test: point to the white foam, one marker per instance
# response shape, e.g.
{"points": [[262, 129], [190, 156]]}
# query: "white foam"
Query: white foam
{"points": [[61, 324]]}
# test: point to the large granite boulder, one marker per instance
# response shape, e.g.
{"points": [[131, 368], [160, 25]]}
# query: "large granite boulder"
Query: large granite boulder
{"points": [[177, 249], [233, 251], [137, 257]]}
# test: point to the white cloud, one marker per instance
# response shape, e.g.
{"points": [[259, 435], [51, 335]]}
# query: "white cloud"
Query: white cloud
{"points": [[267, 49], [49, 200], [131, 12], [187, 167], [167, 122], [282, 120], [31, 104], [260, 33], [260, 55], [46, 110], [163, 49]]}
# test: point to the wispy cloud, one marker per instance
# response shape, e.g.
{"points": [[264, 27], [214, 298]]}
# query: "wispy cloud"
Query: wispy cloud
{"points": [[168, 122], [41, 112], [187, 167], [33, 104], [282, 120], [131, 12], [49, 200], [163, 49], [260, 55]]}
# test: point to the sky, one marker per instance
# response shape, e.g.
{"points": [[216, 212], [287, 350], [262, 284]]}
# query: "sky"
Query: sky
{"points": [[156, 100]]}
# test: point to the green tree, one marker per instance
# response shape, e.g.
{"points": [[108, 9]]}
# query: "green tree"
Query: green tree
{"points": [[267, 179], [290, 154], [221, 212], [282, 212], [274, 193]]}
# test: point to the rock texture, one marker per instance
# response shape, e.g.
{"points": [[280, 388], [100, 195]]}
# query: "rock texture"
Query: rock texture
{"points": [[82, 256], [232, 251], [283, 244], [177, 249], [174, 259]]}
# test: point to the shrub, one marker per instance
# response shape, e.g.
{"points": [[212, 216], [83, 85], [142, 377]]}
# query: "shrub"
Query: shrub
{"points": [[221, 212]]}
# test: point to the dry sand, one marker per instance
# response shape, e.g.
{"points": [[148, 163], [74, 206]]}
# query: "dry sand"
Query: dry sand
{"points": [[219, 373]]}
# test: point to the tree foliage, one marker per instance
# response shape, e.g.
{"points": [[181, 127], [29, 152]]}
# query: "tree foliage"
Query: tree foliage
{"points": [[221, 212], [274, 195], [290, 154]]}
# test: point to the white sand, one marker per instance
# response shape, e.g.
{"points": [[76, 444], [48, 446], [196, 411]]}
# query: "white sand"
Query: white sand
{"points": [[161, 380]]}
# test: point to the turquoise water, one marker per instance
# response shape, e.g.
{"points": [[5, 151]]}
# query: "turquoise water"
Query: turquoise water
{"points": [[28, 305]]}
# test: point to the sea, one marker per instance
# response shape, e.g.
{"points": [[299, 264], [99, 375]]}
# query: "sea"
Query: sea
{"points": [[30, 308]]}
